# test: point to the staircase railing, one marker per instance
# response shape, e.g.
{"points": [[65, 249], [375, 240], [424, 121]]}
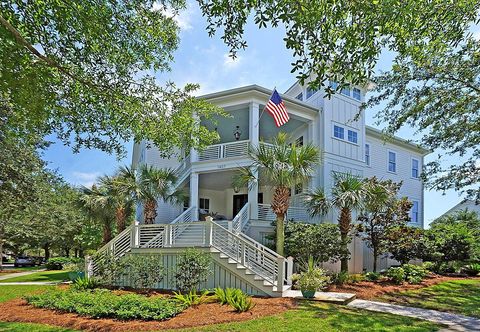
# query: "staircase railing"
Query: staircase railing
{"points": [[185, 216], [240, 221]]}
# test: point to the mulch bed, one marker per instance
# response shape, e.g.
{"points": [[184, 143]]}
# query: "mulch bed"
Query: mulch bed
{"points": [[368, 290], [18, 310]]}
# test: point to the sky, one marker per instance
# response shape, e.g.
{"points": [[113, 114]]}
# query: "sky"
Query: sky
{"points": [[205, 60]]}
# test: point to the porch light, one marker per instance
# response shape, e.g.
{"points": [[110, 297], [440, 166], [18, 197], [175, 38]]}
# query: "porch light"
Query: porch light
{"points": [[236, 189], [237, 133]]}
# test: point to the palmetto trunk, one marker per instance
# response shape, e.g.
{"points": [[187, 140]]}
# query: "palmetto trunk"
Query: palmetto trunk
{"points": [[345, 224], [120, 218], [107, 232], [280, 203], [150, 212]]}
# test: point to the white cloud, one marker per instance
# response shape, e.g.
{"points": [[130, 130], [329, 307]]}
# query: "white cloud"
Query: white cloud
{"points": [[84, 178], [231, 63], [183, 18]]}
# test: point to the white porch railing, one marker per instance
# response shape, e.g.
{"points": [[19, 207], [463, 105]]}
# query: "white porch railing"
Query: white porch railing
{"points": [[241, 220], [273, 268], [294, 213], [185, 216], [184, 167], [225, 150]]}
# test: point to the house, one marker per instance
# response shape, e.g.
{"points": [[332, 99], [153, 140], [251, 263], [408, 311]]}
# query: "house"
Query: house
{"points": [[244, 215], [466, 204]]}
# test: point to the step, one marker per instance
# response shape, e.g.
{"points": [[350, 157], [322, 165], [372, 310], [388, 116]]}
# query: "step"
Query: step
{"points": [[329, 297]]}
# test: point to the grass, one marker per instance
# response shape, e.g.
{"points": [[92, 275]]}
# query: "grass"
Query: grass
{"points": [[457, 296], [315, 316], [22, 327], [12, 292], [40, 276]]}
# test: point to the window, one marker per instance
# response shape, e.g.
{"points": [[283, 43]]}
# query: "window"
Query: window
{"points": [[338, 132], [205, 204], [311, 92], [346, 91], [415, 172], [299, 96], [185, 204], [414, 212], [353, 136], [333, 85], [357, 94], [392, 161], [299, 141], [367, 154], [298, 188]]}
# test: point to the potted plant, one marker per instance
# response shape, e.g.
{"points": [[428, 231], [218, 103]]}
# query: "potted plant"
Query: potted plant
{"points": [[312, 279]]}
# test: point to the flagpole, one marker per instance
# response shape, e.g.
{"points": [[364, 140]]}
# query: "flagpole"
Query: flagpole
{"points": [[263, 111]]}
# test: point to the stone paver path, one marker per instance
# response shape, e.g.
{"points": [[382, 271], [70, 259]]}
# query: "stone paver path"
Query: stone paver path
{"points": [[453, 321], [19, 274], [330, 297]]}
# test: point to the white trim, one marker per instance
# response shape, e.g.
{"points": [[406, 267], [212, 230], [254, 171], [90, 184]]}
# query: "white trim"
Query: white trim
{"points": [[388, 161], [345, 133]]}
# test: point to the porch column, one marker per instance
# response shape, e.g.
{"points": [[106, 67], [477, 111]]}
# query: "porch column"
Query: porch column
{"points": [[194, 193], [253, 195], [253, 124]]}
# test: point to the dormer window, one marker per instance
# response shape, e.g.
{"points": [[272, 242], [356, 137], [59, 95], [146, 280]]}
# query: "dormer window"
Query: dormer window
{"points": [[357, 94]]}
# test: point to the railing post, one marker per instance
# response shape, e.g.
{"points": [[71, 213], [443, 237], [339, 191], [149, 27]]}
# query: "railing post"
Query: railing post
{"points": [[230, 225], [208, 233], [281, 272], [168, 236], [89, 266], [289, 269], [242, 253], [136, 234]]}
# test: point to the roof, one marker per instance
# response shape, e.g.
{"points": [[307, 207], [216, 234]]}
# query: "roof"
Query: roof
{"points": [[260, 89], [374, 132]]}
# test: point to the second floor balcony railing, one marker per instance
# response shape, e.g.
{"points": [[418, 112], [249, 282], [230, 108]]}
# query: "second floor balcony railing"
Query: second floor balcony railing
{"points": [[224, 150]]}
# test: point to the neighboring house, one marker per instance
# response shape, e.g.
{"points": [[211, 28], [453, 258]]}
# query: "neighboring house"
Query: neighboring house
{"points": [[348, 145], [466, 204]]}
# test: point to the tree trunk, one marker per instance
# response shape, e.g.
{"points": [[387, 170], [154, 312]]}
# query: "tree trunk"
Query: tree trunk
{"points": [[345, 224], [107, 233], [120, 217], [280, 202], [150, 212], [80, 252], [46, 248], [375, 256], [1, 248], [67, 252]]}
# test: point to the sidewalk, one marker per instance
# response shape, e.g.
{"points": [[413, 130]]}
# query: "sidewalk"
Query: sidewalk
{"points": [[19, 274], [453, 321]]}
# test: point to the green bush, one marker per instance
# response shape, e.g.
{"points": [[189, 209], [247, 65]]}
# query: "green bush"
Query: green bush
{"points": [[234, 297], [85, 283], [414, 274], [471, 270], [109, 269], [192, 298], [193, 268], [372, 276], [397, 274], [430, 267], [58, 263], [354, 278], [312, 278], [143, 271], [102, 303], [340, 278]]}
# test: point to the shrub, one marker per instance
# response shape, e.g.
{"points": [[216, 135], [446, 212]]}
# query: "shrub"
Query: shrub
{"points": [[414, 274], [471, 270], [430, 267], [339, 278], [85, 283], [372, 276], [102, 303], [354, 278], [397, 274], [143, 271], [58, 263], [234, 297], [109, 269], [192, 298], [193, 268]]}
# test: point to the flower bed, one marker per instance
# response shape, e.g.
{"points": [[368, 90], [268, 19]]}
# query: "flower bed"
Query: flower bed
{"points": [[102, 303]]}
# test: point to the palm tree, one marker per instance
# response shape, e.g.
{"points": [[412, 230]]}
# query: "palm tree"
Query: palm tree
{"points": [[99, 206], [122, 203], [146, 185], [282, 166], [347, 195]]}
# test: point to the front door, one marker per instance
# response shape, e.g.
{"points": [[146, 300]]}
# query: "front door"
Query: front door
{"points": [[238, 202]]}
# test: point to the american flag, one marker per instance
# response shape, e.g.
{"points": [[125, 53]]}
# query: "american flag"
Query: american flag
{"points": [[277, 109]]}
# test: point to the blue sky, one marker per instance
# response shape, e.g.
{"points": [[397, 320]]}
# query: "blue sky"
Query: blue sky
{"points": [[204, 60]]}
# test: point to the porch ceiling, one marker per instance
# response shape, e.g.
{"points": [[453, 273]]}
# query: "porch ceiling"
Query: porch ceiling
{"points": [[216, 180]]}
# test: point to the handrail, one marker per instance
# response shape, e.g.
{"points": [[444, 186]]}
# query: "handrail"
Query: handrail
{"points": [[110, 243], [187, 213], [240, 220]]}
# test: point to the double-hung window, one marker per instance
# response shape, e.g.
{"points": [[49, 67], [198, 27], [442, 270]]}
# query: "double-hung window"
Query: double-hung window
{"points": [[311, 92], [367, 154], [352, 136], [414, 212], [356, 94], [415, 169], [299, 96], [205, 204], [392, 162], [338, 132], [299, 141], [346, 91]]}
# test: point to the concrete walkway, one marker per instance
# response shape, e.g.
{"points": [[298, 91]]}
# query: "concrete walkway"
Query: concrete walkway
{"points": [[453, 321], [330, 297], [20, 283], [19, 274]]}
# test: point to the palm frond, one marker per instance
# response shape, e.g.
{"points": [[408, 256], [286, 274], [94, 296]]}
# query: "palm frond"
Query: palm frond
{"points": [[317, 202]]}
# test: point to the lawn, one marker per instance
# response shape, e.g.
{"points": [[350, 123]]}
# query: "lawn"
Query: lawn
{"points": [[21, 327], [457, 296], [40, 276], [8, 292], [315, 316], [21, 269]]}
